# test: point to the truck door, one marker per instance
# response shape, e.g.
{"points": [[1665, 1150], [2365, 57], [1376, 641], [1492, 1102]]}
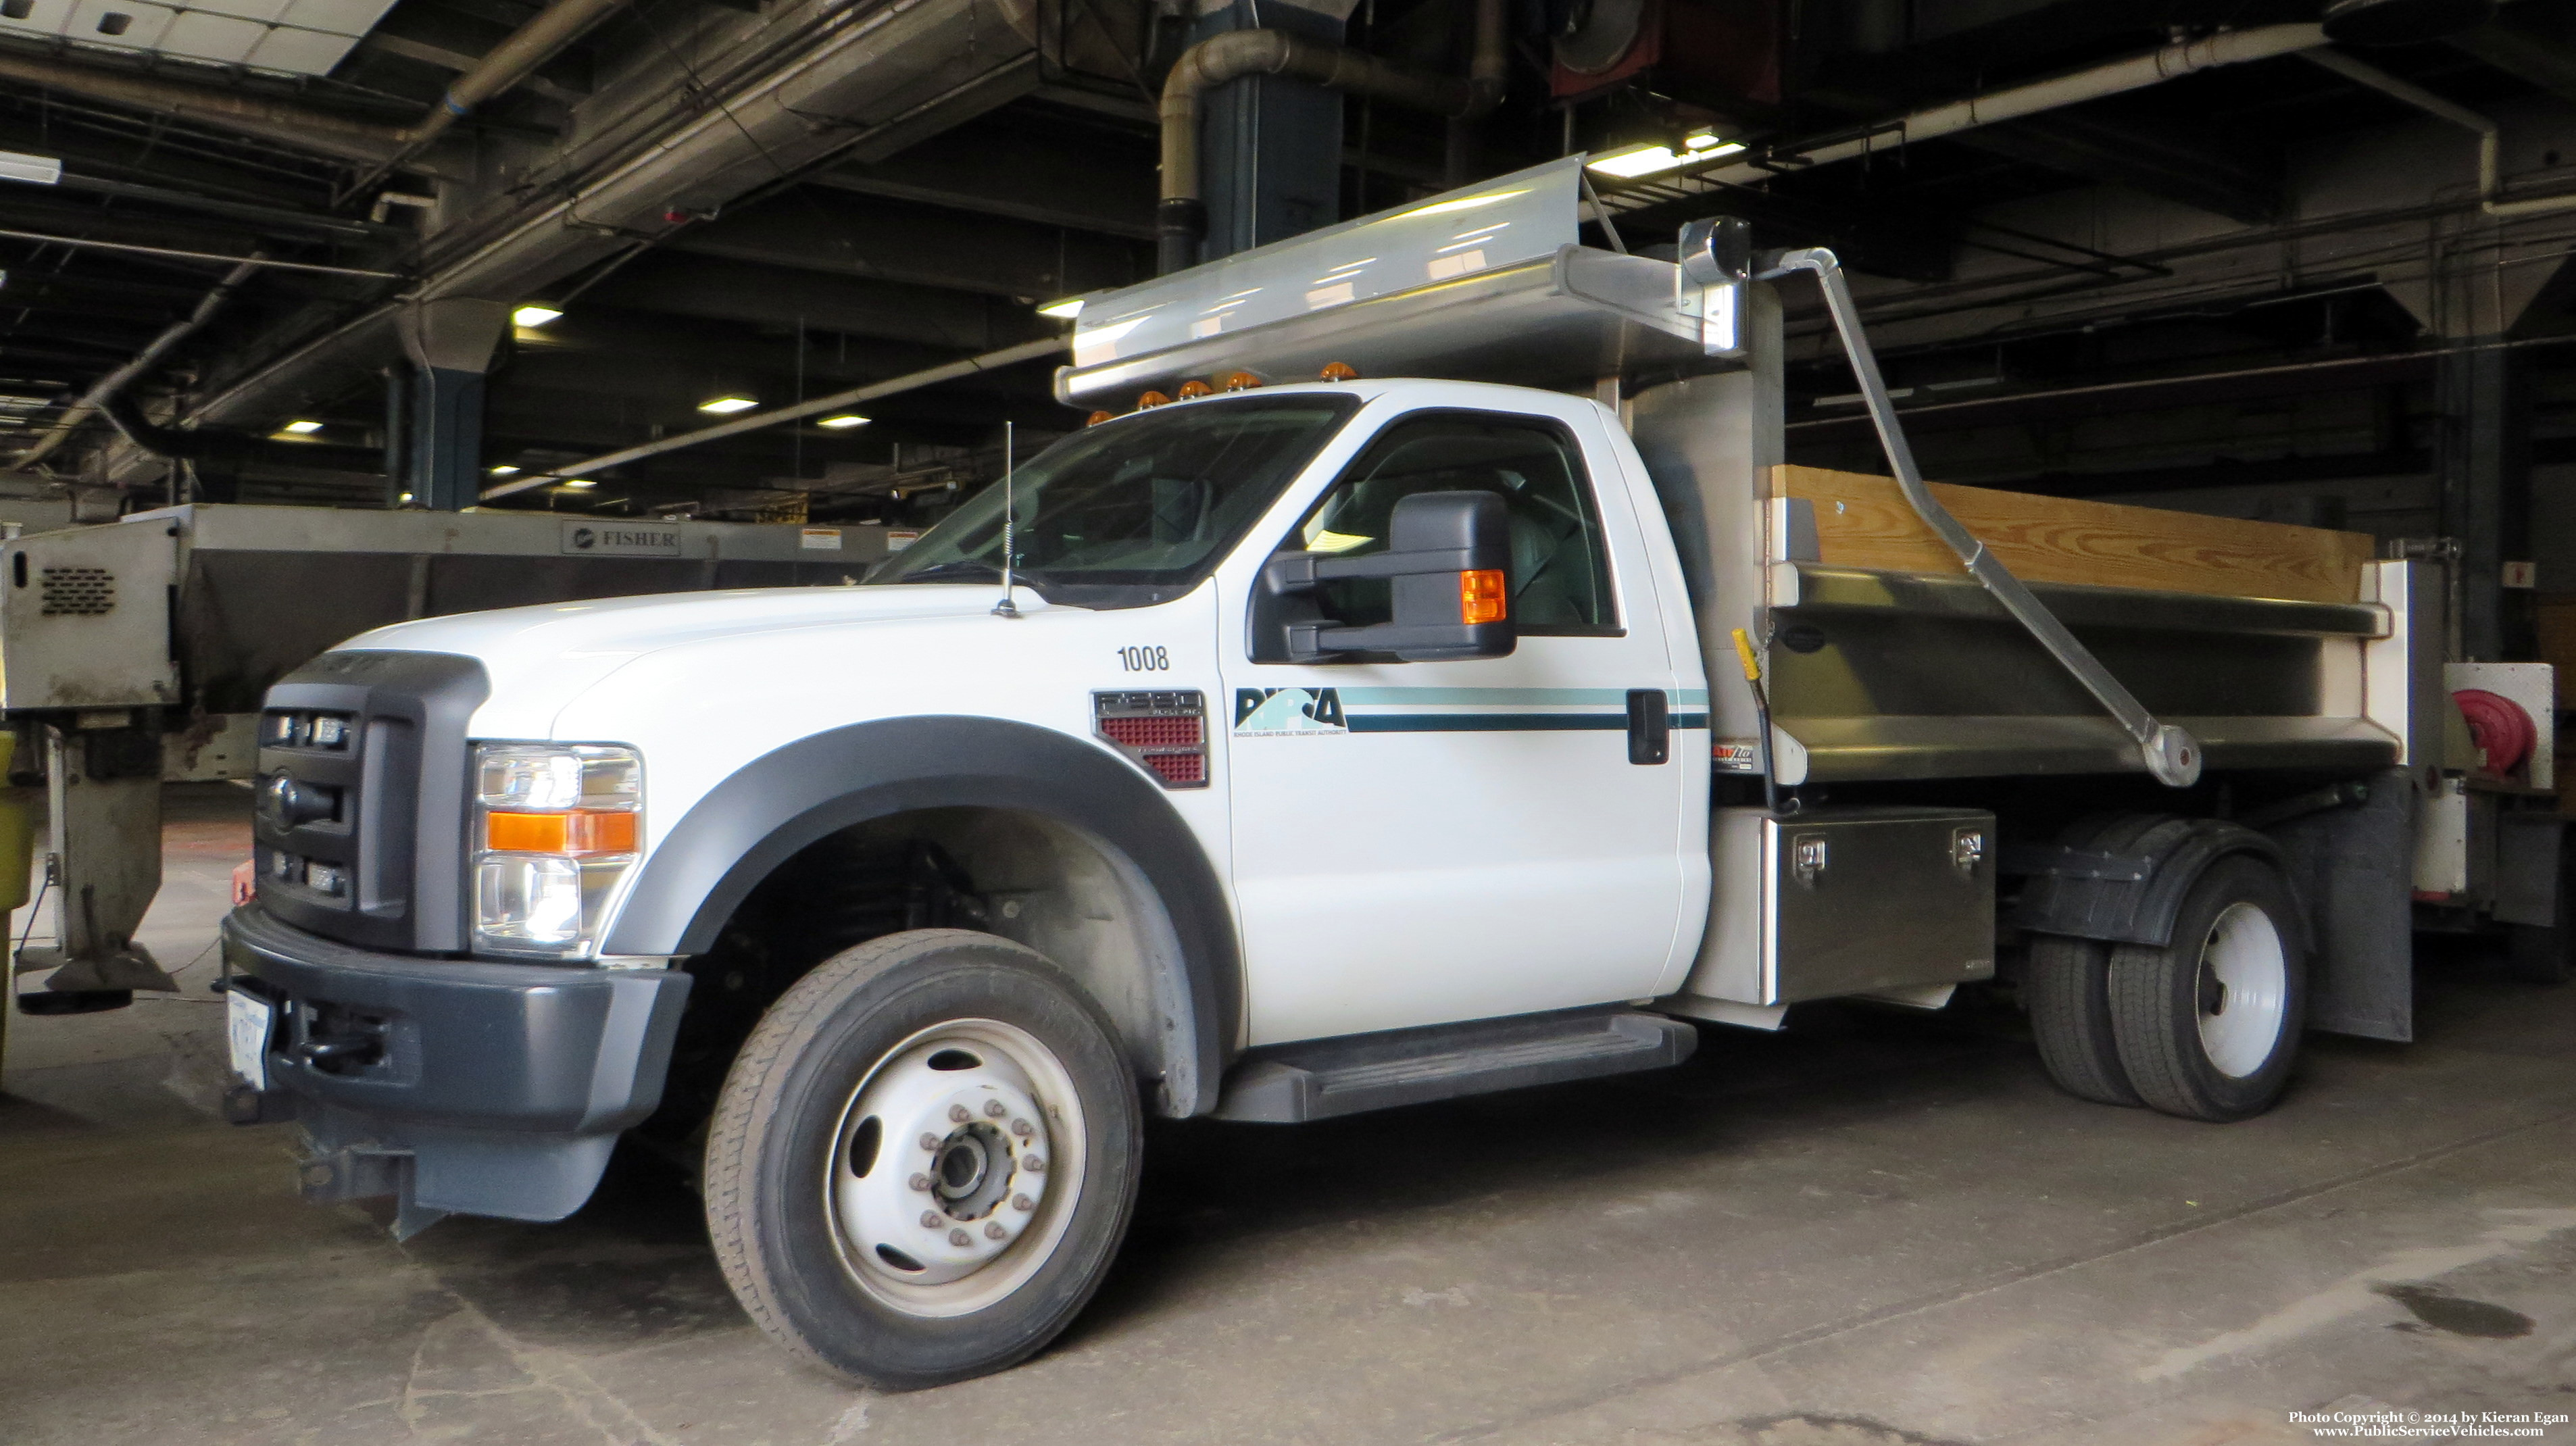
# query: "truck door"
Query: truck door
{"points": [[1417, 843]]}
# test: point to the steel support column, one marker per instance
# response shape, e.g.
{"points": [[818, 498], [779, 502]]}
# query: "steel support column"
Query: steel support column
{"points": [[2486, 489], [439, 411], [1272, 144]]}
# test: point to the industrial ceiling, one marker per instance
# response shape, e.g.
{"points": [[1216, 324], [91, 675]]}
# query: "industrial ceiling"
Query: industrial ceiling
{"points": [[690, 204]]}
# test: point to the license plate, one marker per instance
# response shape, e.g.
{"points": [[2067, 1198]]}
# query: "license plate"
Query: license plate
{"points": [[249, 1017]]}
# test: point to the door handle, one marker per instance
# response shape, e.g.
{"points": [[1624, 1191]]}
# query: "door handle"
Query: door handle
{"points": [[1650, 726]]}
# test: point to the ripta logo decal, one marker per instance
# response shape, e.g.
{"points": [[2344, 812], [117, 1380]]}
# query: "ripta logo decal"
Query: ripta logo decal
{"points": [[1287, 712]]}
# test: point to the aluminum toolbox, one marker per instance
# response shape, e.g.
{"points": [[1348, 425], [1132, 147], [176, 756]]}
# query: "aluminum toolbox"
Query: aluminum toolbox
{"points": [[1840, 901]]}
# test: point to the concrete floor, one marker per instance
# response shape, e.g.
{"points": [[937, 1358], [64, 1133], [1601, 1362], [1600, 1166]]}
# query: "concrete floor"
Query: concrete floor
{"points": [[1870, 1231]]}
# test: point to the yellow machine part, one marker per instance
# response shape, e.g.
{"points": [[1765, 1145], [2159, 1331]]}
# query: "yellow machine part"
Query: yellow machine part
{"points": [[19, 808]]}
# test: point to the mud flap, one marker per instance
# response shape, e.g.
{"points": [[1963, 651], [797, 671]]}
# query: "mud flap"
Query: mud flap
{"points": [[2355, 869]]}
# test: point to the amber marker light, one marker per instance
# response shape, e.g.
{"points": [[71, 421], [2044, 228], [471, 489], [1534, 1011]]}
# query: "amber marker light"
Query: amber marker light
{"points": [[1480, 596], [1194, 388], [573, 831], [1339, 372], [1241, 381], [1152, 399], [1097, 418]]}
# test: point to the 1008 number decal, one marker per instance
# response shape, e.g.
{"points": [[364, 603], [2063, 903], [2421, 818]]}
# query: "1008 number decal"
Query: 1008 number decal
{"points": [[1145, 660]]}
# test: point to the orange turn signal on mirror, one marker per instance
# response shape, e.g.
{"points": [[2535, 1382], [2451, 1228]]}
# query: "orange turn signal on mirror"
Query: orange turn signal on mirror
{"points": [[574, 831], [1480, 596]]}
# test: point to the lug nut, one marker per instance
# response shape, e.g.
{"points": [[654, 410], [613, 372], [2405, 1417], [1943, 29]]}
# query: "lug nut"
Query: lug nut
{"points": [[1023, 1128], [1035, 1164], [960, 1237], [996, 1108], [1023, 1202], [919, 1182], [994, 1231], [929, 1219], [957, 1114], [929, 1141]]}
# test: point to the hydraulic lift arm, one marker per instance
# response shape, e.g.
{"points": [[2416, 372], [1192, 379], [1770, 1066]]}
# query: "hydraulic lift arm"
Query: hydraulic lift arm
{"points": [[2170, 753]]}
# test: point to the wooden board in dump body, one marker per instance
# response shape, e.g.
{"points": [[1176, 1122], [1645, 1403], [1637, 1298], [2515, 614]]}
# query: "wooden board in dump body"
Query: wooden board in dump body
{"points": [[1863, 521]]}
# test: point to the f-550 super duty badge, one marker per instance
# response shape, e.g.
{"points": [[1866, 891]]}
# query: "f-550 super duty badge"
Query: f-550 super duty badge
{"points": [[1287, 712]]}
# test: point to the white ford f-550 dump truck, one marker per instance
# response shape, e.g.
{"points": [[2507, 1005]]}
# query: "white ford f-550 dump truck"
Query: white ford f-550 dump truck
{"points": [[1301, 747]]}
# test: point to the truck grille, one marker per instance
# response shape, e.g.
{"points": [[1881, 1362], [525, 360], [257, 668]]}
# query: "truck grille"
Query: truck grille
{"points": [[360, 816]]}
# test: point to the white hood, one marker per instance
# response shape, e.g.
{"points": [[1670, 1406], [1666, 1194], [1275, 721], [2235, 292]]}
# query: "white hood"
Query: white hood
{"points": [[541, 657]]}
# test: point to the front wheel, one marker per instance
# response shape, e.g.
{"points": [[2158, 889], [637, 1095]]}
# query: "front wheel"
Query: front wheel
{"points": [[2208, 1024], [924, 1159]]}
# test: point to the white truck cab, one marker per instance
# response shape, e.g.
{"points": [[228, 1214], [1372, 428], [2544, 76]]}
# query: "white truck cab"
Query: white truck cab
{"points": [[1291, 749]]}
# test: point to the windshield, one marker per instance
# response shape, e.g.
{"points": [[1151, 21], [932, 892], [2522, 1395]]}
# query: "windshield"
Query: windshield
{"points": [[1133, 511]]}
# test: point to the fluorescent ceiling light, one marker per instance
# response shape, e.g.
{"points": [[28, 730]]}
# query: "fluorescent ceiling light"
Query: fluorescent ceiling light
{"points": [[302, 429], [504, 470], [846, 419], [1067, 309], [579, 482], [1651, 160], [40, 170], [723, 406], [534, 315]]}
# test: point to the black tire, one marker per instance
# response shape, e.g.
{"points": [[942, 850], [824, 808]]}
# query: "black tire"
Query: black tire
{"points": [[2068, 986], [775, 1158], [2160, 997]]}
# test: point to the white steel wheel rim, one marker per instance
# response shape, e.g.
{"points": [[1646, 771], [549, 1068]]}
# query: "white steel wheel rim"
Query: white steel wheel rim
{"points": [[2243, 990], [955, 1167]]}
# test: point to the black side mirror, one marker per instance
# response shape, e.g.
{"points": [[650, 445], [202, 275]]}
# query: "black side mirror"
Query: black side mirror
{"points": [[1448, 563]]}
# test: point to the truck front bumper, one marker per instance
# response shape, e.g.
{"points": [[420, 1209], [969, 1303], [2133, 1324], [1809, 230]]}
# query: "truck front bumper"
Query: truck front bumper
{"points": [[459, 1086]]}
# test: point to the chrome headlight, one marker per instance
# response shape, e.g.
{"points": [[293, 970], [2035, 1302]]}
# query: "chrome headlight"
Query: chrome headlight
{"points": [[558, 828]]}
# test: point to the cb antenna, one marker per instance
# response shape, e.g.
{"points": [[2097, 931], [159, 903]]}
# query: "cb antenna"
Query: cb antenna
{"points": [[1007, 608]]}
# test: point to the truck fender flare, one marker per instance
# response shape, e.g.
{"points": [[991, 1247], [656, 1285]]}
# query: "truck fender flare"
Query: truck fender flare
{"points": [[2121, 878], [792, 796]]}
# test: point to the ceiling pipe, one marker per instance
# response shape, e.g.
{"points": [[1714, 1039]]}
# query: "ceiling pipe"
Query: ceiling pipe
{"points": [[909, 381], [285, 123], [2490, 139], [504, 66], [1181, 216], [115, 382], [762, 125], [1488, 71], [308, 128], [2154, 67]]}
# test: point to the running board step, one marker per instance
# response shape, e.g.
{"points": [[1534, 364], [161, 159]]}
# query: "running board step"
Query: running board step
{"points": [[1323, 1078]]}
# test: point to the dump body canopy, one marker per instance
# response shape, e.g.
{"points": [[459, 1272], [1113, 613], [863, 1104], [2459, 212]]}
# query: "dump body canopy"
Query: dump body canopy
{"points": [[1886, 660]]}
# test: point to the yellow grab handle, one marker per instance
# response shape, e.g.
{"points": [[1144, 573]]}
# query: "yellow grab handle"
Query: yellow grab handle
{"points": [[1744, 654]]}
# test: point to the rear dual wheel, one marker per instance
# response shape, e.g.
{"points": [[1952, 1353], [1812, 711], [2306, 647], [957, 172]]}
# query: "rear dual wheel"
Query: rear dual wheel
{"points": [[924, 1159], [2205, 1026]]}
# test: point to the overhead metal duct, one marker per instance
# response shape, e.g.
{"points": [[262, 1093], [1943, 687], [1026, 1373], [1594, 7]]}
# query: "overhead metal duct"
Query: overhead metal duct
{"points": [[311, 128], [847, 77]]}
